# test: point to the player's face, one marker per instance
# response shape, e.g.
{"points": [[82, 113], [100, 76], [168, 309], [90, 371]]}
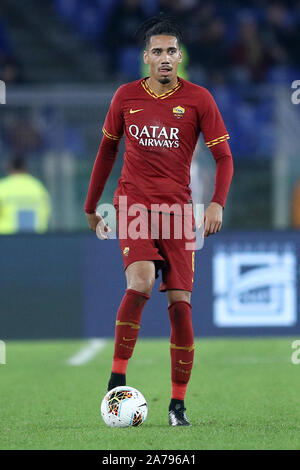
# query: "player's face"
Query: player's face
{"points": [[163, 55]]}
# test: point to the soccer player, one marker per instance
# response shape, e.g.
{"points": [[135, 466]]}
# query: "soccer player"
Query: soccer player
{"points": [[162, 117]]}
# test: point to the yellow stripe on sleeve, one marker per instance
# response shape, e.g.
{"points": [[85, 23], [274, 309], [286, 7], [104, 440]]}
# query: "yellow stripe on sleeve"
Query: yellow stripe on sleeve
{"points": [[110, 136], [213, 142]]}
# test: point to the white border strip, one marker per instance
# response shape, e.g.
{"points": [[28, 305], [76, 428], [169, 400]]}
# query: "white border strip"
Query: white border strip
{"points": [[87, 353]]}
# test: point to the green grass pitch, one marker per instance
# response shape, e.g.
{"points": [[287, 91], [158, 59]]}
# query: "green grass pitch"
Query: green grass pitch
{"points": [[243, 394]]}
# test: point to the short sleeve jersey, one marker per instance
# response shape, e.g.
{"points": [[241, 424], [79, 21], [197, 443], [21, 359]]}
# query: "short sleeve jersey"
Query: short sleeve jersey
{"points": [[161, 132]]}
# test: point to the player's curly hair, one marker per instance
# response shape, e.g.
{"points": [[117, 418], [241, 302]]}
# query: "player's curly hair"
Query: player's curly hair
{"points": [[158, 25]]}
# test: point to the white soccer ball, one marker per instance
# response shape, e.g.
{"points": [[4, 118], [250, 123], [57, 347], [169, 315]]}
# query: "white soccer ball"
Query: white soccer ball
{"points": [[123, 407]]}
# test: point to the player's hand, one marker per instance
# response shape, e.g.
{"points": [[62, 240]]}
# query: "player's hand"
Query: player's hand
{"points": [[97, 224], [212, 219]]}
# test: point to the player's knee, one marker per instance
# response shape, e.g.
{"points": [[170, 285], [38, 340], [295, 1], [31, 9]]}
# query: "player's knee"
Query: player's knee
{"points": [[142, 284], [177, 296]]}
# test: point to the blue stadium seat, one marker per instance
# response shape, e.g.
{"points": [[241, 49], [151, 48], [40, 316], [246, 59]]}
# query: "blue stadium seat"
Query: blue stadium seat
{"points": [[88, 20], [129, 62], [67, 9], [150, 7], [105, 7], [279, 75], [5, 47]]}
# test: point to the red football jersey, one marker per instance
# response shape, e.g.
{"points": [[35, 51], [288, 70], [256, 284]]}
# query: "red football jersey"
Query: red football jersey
{"points": [[161, 134]]}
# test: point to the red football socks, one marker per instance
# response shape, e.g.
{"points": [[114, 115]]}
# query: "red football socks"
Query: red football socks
{"points": [[181, 347], [127, 328]]}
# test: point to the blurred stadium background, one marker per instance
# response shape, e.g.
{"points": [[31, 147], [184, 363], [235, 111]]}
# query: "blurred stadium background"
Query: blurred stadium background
{"points": [[61, 61]]}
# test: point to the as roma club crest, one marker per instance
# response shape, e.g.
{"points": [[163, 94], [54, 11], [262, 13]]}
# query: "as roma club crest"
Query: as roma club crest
{"points": [[178, 111], [126, 251]]}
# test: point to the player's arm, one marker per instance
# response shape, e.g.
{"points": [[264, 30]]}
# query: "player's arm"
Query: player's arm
{"points": [[216, 136], [103, 165], [105, 159]]}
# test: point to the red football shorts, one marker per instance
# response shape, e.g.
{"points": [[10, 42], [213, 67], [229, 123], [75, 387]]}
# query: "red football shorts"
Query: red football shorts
{"points": [[171, 249]]}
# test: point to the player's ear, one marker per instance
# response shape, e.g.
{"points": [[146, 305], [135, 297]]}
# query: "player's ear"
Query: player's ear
{"points": [[180, 57], [145, 57]]}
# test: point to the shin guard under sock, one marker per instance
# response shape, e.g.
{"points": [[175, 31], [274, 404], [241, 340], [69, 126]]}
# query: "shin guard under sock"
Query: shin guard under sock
{"points": [[127, 328], [181, 347]]}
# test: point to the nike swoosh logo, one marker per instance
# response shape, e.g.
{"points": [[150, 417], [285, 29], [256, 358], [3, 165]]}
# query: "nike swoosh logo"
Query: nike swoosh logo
{"points": [[132, 111], [182, 362], [128, 339]]}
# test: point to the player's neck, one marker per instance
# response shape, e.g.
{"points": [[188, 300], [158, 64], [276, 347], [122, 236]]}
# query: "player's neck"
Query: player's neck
{"points": [[160, 88]]}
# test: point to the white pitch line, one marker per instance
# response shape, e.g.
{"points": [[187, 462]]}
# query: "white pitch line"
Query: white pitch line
{"points": [[87, 353]]}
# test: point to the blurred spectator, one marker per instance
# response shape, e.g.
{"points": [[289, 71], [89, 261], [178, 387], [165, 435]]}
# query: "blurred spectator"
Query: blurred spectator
{"points": [[280, 33], [120, 35], [210, 50], [24, 201], [248, 52], [23, 137], [9, 71]]}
